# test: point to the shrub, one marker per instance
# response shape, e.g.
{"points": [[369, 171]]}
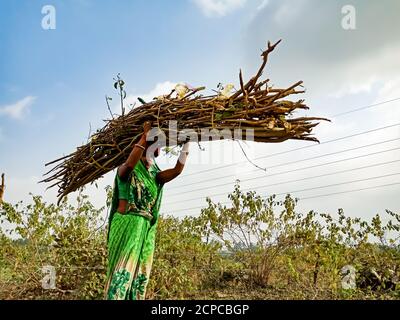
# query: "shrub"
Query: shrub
{"points": [[255, 248]]}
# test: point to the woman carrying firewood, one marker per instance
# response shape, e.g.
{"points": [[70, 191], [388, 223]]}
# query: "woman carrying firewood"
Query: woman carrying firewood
{"points": [[133, 219]]}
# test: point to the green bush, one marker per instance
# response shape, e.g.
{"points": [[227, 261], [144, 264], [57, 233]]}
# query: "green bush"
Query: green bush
{"points": [[68, 238], [255, 248]]}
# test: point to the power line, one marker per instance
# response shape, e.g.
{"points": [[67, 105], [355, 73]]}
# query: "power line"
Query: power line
{"points": [[291, 150], [294, 180], [332, 153], [333, 185], [355, 190], [337, 115], [385, 185], [364, 108], [279, 173], [326, 142], [340, 183], [294, 162]]}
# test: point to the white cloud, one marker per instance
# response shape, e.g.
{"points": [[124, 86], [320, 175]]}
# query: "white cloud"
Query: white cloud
{"points": [[263, 4], [287, 12], [390, 112], [342, 70], [219, 8], [390, 90], [161, 88], [18, 109], [315, 45], [382, 66]]}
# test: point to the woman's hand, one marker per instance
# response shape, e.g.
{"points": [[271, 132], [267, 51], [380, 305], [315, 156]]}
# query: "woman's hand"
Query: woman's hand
{"points": [[146, 130], [170, 174], [146, 127], [185, 147]]}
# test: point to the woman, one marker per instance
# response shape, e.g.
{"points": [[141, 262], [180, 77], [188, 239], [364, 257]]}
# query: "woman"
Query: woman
{"points": [[133, 220]]}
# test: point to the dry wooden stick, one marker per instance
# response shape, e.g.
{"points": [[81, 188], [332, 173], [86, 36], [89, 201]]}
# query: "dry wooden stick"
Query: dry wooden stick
{"points": [[2, 188]]}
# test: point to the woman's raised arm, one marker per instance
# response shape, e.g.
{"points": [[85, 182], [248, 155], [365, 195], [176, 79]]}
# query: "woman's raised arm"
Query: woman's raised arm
{"points": [[170, 174], [126, 168]]}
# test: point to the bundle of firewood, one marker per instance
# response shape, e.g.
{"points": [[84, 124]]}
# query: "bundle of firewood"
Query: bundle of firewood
{"points": [[254, 105]]}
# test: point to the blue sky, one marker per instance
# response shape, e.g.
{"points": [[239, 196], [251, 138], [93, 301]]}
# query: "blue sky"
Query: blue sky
{"points": [[53, 82], [70, 69]]}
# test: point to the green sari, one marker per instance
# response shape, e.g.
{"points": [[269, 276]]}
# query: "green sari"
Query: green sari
{"points": [[131, 235]]}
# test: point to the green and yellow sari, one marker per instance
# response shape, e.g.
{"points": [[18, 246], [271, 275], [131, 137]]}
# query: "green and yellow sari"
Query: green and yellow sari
{"points": [[131, 235]]}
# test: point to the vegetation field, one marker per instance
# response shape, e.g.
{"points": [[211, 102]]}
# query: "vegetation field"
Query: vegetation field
{"points": [[255, 248]]}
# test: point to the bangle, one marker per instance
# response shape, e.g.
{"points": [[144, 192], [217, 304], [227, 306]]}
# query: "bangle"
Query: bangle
{"points": [[139, 146]]}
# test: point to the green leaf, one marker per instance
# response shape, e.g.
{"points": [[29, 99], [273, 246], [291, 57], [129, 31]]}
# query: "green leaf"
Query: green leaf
{"points": [[141, 100], [227, 114]]}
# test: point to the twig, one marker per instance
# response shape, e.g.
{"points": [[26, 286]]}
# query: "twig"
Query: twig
{"points": [[258, 167], [108, 106]]}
